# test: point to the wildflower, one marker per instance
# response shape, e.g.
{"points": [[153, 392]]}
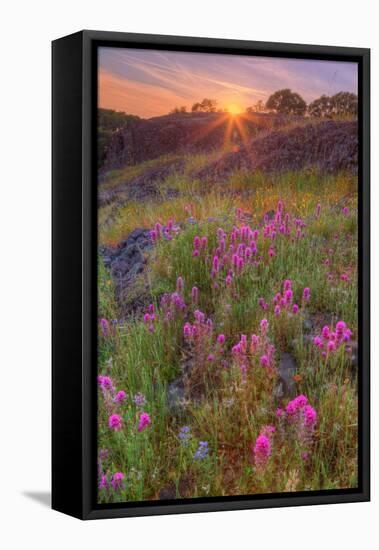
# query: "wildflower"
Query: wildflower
{"points": [[317, 341], [271, 252], [105, 382], [211, 357], [117, 480], [295, 309], [287, 284], [104, 327], [344, 277], [265, 361], [194, 294], [120, 397], [325, 332], [204, 242], [195, 253], [228, 280], [310, 416], [221, 339], [262, 451], [202, 451], [139, 399], [264, 325], [103, 454], [345, 211], [179, 285], [277, 311], [288, 296], [153, 235], [279, 412], [318, 209], [103, 483], [254, 342], [331, 345], [306, 293], [146, 318], [185, 435], [196, 242], [115, 422], [144, 421]]}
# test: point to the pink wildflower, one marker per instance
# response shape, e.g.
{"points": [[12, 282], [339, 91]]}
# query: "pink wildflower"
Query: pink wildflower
{"points": [[262, 451], [144, 421], [115, 422], [117, 480], [120, 397]]}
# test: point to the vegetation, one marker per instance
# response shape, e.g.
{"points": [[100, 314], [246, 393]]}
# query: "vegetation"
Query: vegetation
{"points": [[195, 399]]}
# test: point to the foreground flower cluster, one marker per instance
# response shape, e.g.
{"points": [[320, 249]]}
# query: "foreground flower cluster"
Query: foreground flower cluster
{"points": [[191, 398]]}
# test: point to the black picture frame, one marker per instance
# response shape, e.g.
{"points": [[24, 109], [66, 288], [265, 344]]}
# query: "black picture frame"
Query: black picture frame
{"points": [[74, 206]]}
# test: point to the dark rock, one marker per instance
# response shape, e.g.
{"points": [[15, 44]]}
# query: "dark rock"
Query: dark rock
{"points": [[330, 146], [143, 140], [286, 386], [126, 263]]}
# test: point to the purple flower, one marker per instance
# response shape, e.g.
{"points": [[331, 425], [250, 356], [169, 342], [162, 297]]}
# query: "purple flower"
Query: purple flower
{"points": [[105, 382], [115, 422], [146, 318], [120, 397], [202, 451], [264, 325], [179, 285], [104, 327], [139, 399], [295, 309], [264, 361], [144, 421], [187, 330], [306, 293], [117, 480], [221, 339], [185, 435], [262, 451], [103, 482], [310, 416]]}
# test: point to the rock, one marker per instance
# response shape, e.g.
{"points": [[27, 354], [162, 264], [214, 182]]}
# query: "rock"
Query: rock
{"points": [[286, 386], [175, 395], [330, 146], [126, 263], [197, 132]]}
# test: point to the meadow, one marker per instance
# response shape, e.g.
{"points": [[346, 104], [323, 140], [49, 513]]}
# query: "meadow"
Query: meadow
{"points": [[238, 373]]}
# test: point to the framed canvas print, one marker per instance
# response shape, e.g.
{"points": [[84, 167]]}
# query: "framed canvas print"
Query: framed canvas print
{"points": [[210, 274]]}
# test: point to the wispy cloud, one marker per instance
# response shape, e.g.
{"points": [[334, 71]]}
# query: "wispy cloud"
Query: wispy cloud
{"points": [[150, 83]]}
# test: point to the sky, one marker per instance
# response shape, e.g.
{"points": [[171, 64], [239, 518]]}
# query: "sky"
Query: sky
{"points": [[150, 83]]}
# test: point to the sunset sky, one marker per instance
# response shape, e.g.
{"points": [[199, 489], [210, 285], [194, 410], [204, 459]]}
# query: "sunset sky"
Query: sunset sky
{"points": [[150, 83]]}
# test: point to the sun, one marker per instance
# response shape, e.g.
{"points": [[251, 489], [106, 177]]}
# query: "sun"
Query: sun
{"points": [[234, 109]]}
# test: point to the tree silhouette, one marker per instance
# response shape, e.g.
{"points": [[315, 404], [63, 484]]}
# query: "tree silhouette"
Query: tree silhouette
{"points": [[206, 106], [287, 102], [341, 104]]}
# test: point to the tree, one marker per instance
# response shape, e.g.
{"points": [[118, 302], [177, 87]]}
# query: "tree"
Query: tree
{"points": [[287, 102], [321, 107], [258, 107], [206, 106], [176, 110], [345, 104], [341, 104]]}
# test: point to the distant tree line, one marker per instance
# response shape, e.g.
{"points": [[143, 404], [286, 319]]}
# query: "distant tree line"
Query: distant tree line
{"points": [[291, 103]]}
